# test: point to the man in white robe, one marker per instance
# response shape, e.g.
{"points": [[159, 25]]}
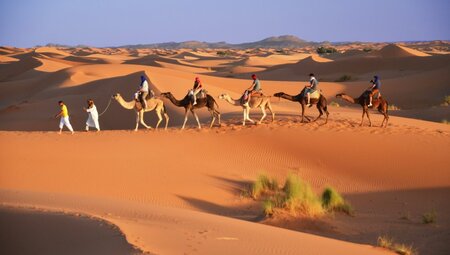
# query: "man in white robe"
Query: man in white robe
{"points": [[92, 120]]}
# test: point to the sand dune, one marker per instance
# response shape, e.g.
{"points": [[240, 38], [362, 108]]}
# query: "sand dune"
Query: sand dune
{"points": [[181, 191], [51, 50], [397, 51]]}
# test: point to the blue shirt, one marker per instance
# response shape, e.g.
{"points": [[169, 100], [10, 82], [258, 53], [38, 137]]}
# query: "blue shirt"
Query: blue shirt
{"points": [[377, 84]]}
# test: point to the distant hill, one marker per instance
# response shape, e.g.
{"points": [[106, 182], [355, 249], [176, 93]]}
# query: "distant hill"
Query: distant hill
{"points": [[285, 41]]}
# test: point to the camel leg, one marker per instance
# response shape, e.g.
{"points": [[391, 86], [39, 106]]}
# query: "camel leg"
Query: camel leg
{"points": [[303, 113], [362, 118], [244, 117], [271, 111], [196, 118], [142, 121], [383, 111], [320, 113], [137, 121], [213, 118], [248, 115], [158, 113], [166, 116], [218, 116], [370, 122], [386, 119], [185, 118], [263, 110]]}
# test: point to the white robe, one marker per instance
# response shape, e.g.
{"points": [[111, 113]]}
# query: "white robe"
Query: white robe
{"points": [[92, 120]]}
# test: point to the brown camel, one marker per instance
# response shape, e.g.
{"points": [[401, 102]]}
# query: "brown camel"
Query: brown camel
{"points": [[377, 103], [187, 103], [152, 104], [263, 102], [320, 102]]}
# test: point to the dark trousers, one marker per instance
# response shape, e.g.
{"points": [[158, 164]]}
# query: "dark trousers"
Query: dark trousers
{"points": [[142, 96]]}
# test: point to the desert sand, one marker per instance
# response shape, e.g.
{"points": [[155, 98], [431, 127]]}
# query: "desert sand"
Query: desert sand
{"points": [[180, 192]]}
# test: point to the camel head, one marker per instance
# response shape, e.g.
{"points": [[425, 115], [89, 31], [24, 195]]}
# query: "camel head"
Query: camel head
{"points": [[115, 96], [224, 96], [339, 95], [279, 94]]}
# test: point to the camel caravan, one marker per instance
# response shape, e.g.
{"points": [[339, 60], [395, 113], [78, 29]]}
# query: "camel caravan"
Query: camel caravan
{"points": [[145, 100]]}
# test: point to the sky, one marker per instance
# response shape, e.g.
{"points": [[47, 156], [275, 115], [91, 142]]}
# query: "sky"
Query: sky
{"points": [[102, 23]]}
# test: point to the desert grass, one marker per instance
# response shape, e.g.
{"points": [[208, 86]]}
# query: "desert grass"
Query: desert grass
{"points": [[393, 107], [333, 201], [446, 101], [429, 217], [268, 207], [263, 184], [402, 249], [385, 242], [296, 197], [301, 197]]}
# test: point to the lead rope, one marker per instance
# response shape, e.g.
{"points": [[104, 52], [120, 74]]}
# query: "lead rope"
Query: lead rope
{"points": [[110, 99]]}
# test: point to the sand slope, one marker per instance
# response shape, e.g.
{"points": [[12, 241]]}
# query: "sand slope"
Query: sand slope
{"points": [[173, 192]]}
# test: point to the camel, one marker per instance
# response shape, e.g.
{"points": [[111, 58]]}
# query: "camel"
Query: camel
{"points": [[262, 102], [186, 102], [377, 103], [152, 104], [321, 103]]}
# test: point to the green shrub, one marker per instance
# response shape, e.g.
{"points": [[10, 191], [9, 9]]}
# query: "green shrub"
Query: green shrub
{"points": [[388, 243], [333, 201], [446, 101], [263, 184], [223, 53], [296, 196], [403, 249], [393, 107], [323, 50], [268, 207], [300, 196], [343, 78], [385, 242], [429, 217], [367, 49]]}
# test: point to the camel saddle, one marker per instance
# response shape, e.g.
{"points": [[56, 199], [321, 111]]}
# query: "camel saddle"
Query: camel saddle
{"points": [[375, 96], [315, 95], [257, 94], [201, 94]]}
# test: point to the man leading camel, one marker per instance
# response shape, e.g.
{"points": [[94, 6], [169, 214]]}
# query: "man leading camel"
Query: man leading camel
{"points": [[64, 114]]}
